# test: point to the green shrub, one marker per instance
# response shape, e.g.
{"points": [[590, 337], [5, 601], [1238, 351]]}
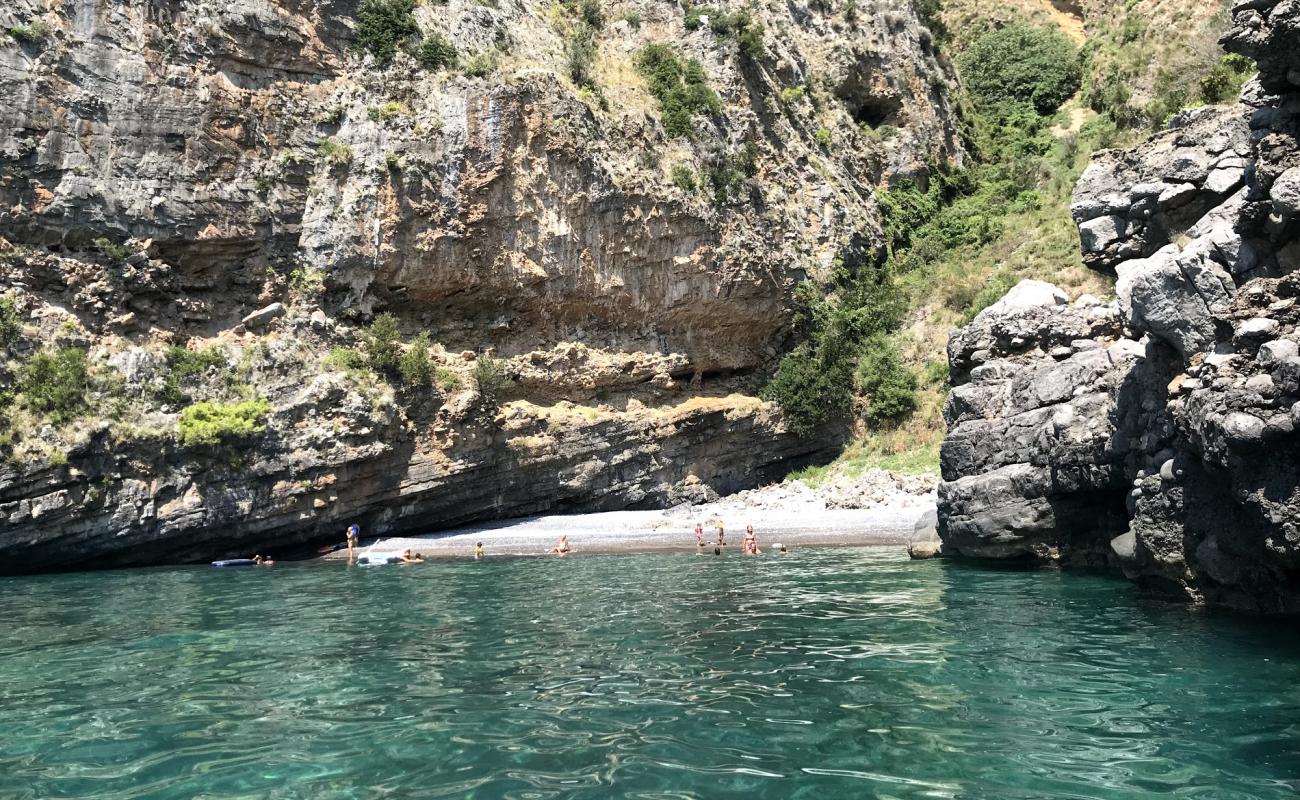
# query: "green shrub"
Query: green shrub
{"points": [[1021, 64], [334, 153], [382, 343], [11, 324], [791, 95], [681, 88], [183, 366], [390, 110], [117, 252], [480, 65], [632, 18], [930, 13], [385, 25], [683, 177], [588, 12], [346, 360], [888, 385], [810, 388], [740, 26], [823, 137], [414, 366], [448, 381], [55, 383], [491, 380], [1223, 82], [212, 424], [580, 50], [936, 373], [435, 52], [35, 33], [724, 174]]}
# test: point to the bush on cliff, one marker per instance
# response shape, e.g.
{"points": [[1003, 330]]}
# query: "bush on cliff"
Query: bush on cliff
{"points": [[491, 380], [681, 88], [183, 367], [213, 424], [382, 343], [812, 388], [55, 383], [385, 25], [435, 52], [888, 385], [11, 324], [1021, 64], [414, 367]]}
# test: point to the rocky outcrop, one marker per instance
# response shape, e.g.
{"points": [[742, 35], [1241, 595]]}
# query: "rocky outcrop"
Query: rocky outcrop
{"points": [[1162, 442], [239, 177]]}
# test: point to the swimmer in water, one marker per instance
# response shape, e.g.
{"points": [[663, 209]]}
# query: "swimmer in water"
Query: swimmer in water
{"points": [[407, 558], [262, 562], [478, 550]]}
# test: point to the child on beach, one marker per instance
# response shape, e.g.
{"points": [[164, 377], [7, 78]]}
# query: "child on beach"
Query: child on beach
{"points": [[478, 550]]}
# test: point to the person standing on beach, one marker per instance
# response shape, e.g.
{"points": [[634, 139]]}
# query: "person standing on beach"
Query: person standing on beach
{"points": [[699, 535], [354, 534], [722, 540], [751, 542], [478, 550]]}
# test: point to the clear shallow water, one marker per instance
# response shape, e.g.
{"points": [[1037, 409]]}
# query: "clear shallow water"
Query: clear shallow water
{"points": [[824, 674]]}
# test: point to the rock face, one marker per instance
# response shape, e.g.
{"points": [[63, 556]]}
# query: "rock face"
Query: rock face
{"points": [[239, 178], [1157, 434]]}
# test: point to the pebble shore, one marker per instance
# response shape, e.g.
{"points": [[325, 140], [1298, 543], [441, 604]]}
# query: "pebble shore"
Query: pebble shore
{"points": [[877, 508]]}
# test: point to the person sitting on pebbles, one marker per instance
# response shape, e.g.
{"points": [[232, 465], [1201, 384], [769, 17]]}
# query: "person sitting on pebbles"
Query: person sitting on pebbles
{"points": [[563, 547]]}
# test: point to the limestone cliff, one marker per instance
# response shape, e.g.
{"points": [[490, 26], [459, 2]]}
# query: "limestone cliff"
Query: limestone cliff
{"points": [[240, 178], [1158, 433]]}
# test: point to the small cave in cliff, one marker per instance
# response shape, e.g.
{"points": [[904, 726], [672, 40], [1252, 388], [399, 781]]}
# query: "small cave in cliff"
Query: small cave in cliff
{"points": [[877, 111]]}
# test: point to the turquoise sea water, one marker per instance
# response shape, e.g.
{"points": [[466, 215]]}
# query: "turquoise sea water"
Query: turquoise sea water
{"points": [[823, 674]]}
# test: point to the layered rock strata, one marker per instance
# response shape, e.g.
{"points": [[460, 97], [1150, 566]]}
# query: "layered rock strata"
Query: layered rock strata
{"points": [[1156, 434], [240, 178]]}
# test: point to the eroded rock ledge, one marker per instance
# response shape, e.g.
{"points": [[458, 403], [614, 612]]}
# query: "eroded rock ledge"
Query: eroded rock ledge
{"points": [[1156, 434]]}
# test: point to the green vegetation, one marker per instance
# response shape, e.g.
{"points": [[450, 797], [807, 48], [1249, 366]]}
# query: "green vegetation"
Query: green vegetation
{"points": [[11, 324], [213, 424], [435, 53], [480, 65], [681, 88], [813, 384], [34, 33], [888, 385], [683, 177], [447, 380], [55, 382], [823, 137], [632, 18], [117, 252], [346, 360], [491, 380], [1021, 64], [336, 154], [791, 95], [414, 366], [183, 367], [739, 25], [580, 50], [382, 342], [390, 110], [724, 174], [1223, 82], [385, 25]]}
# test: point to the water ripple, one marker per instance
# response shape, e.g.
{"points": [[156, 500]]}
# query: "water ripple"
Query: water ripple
{"points": [[823, 674]]}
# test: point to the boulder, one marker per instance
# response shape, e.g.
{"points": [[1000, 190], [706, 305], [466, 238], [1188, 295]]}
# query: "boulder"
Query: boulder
{"points": [[262, 318]]}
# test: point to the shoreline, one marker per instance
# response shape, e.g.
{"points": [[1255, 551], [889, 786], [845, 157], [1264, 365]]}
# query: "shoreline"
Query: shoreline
{"points": [[670, 530]]}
